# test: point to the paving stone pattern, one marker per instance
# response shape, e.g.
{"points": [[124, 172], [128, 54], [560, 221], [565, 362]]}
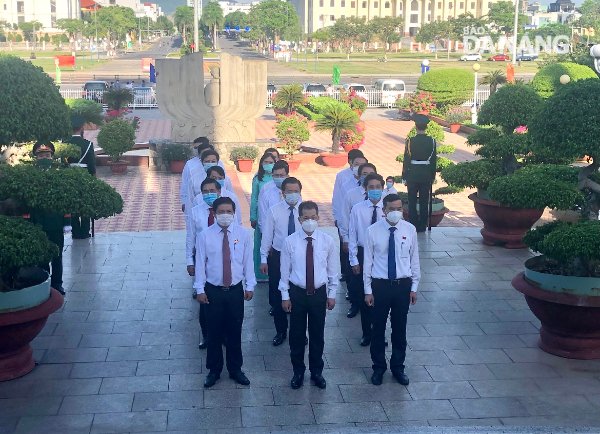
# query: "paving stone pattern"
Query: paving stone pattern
{"points": [[122, 355]]}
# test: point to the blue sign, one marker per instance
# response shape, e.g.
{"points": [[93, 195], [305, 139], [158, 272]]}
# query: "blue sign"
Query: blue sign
{"points": [[227, 28], [237, 28], [247, 28]]}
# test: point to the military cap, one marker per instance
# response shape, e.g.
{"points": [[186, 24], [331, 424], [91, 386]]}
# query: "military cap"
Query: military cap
{"points": [[77, 121], [43, 147], [421, 121]]}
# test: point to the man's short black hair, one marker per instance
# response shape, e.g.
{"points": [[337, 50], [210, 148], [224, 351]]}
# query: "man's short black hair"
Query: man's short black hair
{"points": [[202, 141], [362, 166], [208, 181], [217, 169], [390, 177], [372, 176], [223, 201], [290, 180], [354, 153], [272, 150], [281, 164], [309, 204], [391, 198], [208, 153]]}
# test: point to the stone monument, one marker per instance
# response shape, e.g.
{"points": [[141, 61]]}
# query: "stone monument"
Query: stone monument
{"points": [[224, 110]]}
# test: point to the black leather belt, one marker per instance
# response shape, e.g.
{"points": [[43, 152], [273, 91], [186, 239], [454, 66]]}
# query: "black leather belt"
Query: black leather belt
{"points": [[225, 288]]}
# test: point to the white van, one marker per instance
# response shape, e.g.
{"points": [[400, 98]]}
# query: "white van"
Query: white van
{"points": [[390, 91]]}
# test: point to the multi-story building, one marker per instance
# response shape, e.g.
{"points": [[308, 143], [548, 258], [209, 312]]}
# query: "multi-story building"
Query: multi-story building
{"points": [[316, 14], [44, 11]]}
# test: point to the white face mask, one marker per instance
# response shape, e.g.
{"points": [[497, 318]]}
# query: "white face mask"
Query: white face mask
{"points": [[355, 170], [309, 226], [394, 216], [292, 198], [224, 219]]}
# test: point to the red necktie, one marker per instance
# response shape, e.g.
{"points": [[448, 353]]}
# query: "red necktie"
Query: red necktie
{"points": [[211, 217], [226, 260], [310, 267]]}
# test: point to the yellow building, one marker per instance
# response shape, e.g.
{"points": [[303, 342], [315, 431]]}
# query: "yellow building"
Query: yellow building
{"points": [[316, 14]]}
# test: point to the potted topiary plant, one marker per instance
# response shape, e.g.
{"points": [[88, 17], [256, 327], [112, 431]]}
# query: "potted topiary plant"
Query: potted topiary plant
{"points": [[446, 86], [115, 138], [456, 116], [421, 102], [292, 130], [287, 98], [175, 156], [336, 119], [117, 99], [243, 156], [547, 79], [403, 106]]}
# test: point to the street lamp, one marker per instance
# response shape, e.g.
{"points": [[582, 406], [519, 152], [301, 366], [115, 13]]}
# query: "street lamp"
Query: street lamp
{"points": [[476, 68], [564, 79], [516, 25], [424, 66]]}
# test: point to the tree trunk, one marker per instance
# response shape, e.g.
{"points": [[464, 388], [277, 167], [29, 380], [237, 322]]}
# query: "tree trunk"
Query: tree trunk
{"points": [[448, 49], [335, 147]]}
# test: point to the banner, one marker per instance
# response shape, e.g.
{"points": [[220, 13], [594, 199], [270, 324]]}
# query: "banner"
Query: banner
{"points": [[65, 61], [337, 73]]}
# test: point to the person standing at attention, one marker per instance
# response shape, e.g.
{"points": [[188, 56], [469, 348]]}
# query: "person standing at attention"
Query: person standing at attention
{"points": [[391, 277], [418, 170], [389, 186], [310, 272], [280, 222], [223, 264], [271, 193], [201, 144]]}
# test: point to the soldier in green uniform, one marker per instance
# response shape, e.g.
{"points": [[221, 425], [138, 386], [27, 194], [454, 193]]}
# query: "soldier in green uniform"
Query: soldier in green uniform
{"points": [[81, 224], [52, 223], [418, 171]]}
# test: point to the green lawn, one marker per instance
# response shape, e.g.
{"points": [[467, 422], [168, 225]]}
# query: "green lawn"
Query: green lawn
{"points": [[80, 64], [374, 55]]}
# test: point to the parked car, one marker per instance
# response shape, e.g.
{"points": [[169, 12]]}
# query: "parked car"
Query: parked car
{"points": [[499, 58], [358, 88], [271, 88], [390, 91], [143, 97], [315, 89], [476, 57], [526, 57], [94, 90]]}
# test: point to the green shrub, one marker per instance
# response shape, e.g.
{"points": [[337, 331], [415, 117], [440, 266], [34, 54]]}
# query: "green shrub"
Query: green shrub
{"points": [[90, 111], [291, 130], [307, 113], [472, 174], [449, 86], [547, 79], [495, 144], [510, 107], [66, 152], [433, 130], [175, 152], [457, 115], [449, 189], [32, 108], [534, 237], [244, 153], [118, 98], [318, 104], [116, 137]]}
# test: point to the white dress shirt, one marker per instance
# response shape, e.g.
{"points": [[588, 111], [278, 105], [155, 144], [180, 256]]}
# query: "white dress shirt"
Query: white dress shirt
{"points": [[337, 199], [209, 257], [353, 196], [185, 178], [197, 176], [269, 196], [360, 219], [224, 193], [275, 229], [376, 253], [325, 259], [196, 221], [387, 191]]}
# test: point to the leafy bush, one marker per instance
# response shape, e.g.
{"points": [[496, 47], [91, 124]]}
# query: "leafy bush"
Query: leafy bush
{"points": [[116, 138], [307, 113], [495, 144], [433, 130], [472, 174], [355, 102], [291, 130], [319, 104], [288, 97], [534, 237], [547, 79], [244, 153], [449, 189], [118, 98], [457, 115], [66, 152], [402, 103], [32, 108], [90, 111], [65, 191], [510, 107], [448, 86], [175, 152], [421, 102]]}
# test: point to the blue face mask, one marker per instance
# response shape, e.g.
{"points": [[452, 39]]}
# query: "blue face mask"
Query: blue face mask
{"points": [[278, 181], [221, 182], [208, 165], [374, 194], [209, 198], [268, 168], [362, 179], [389, 185]]}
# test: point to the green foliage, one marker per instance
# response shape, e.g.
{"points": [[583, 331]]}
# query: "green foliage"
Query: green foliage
{"points": [[289, 97], [442, 163], [244, 153], [64, 191], [472, 174], [23, 244], [66, 152], [457, 115], [449, 86], [70, 25], [236, 18], [510, 107], [403, 103], [345, 32], [175, 152], [307, 113], [32, 108], [318, 104], [433, 130], [547, 80], [114, 22], [494, 79], [90, 111], [336, 119], [273, 19], [421, 102], [387, 29], [449, 189], [184, 21], [535, 236], [502, 15], [118, 98], [292, 130], [495, 144], [212, 17], [116, 137]]}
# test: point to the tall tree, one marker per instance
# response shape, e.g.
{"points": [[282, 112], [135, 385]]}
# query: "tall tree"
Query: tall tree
{"points": [[184, 20], [164, 24], [322, 35], [436, 32], [29, 28], [388, 30], [236, 18], [502, 15], [345, 33], [272, 20], [590, 14], [72, 27], [212, 17], [115, 22]]}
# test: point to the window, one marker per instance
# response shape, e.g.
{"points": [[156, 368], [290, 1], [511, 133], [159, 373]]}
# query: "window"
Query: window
{"points": [[414, 5], [321, 3], [352, 5], [375, 5], [450, 5], [52, 6], [331, 17], [387, 5], [364, 4], [439, 5], [462, 5], [414, 19], [332, 3], [472, 5], [428, 18], [20, 7], [343, 3]]}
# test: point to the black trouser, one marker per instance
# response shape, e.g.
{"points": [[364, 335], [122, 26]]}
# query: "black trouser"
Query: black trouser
{"points": [[56, 275], [394, 296], [224, 317], [358, 293], [344, 263], [80, 226], [279, 316], [422, 189], [202, 313], [312, 307]]}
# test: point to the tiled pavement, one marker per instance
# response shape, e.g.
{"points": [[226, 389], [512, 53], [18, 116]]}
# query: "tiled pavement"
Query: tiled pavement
{"points": [[122, 356]]}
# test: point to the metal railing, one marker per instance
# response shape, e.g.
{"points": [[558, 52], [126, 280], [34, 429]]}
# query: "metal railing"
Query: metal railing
{"points": [[479, 98], [140, 99], [374, 97]]}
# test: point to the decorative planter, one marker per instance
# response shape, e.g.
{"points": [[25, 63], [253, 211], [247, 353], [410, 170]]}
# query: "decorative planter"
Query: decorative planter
{"points": [[503, 225], [118, 167], [293, 164], [334, 160], [244, 165], [438, 210], [176, 166], [454, 128], [423, 112], [17, 330], [568, 308]]}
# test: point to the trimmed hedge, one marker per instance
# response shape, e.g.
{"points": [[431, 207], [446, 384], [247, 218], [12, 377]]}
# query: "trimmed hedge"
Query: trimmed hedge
{"points": [[510, 106], [448, 86], [547, 80], [472, 174]]}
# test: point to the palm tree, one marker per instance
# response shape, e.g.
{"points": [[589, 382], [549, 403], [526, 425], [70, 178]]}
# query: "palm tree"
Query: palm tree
{"points": [[337, 118], [184, 20], [212, 17], [288, 97], [493, 79]]}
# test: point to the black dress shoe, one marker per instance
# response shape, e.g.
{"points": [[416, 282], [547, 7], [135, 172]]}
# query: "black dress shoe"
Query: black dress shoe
{"points": [[297, 381], [240, 378], [271, 311], [61, 290], [353, 311], [319, 381], [211, 379], [365, 341], [401, 377], [278, 339], [377, 378]]}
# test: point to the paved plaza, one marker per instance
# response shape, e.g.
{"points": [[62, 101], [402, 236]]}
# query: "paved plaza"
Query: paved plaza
{"points": [[122, 355]]}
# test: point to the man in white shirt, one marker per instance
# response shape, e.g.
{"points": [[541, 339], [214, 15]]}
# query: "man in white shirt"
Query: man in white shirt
{"points": [[209, 159], [193, 163], [363, 215], [270, 194], [391, 277], [280, 222], [389, 186], [345, 176], [309, 280], [218, 174], [223, 263]]}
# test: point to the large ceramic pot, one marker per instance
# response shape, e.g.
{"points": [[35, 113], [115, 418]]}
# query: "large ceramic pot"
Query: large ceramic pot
{"points": [[438, 210], [176, 166], [244, 165], [568, 308], [118, 167], [294, 164], [454, 128], [19, 327], [503, 225], [334, 160]]}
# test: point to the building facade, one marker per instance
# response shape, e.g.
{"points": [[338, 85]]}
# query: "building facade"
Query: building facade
{"points": [[44, 11], [317, 14]]}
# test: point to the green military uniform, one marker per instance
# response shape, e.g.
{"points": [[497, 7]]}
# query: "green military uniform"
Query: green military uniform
{"points": [[418, 171]]}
